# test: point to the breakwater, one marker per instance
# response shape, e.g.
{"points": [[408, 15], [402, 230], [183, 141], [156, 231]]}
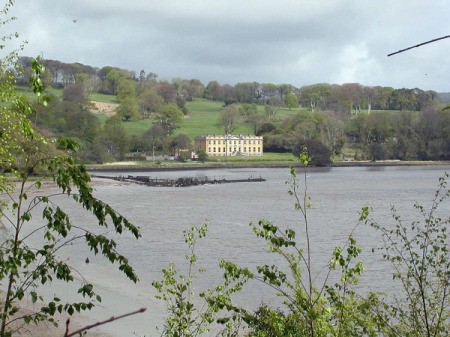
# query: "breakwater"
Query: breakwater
{"points": [[179, 182]]}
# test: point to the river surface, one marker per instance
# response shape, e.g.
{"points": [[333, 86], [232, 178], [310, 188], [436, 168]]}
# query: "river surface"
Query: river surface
{"points": [[337, 196]]}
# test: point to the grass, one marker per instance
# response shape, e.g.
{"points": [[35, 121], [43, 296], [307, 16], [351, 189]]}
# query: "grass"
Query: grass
{"points": [[137, 128], [132, 128], [267, 160], [54, 91], [203, 118], [102, 118], [102, 98], [204, 115], [266, 157]]}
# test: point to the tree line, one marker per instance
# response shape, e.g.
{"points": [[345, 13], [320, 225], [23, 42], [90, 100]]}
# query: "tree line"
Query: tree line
{"points": [[402, 135], [348, 97]]}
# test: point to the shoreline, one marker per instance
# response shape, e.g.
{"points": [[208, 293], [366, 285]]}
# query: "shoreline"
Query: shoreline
{"points": [[175, 166]]}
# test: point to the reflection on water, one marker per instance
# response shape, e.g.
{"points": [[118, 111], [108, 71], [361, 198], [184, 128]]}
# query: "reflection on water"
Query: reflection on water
{"points": [[163, 213]]}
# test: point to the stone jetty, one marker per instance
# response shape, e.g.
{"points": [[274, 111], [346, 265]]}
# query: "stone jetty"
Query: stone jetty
{"points": [[179, 182]]}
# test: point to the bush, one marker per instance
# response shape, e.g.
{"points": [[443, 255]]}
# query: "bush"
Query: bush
{"points": [[320, 154], [202, 156]]}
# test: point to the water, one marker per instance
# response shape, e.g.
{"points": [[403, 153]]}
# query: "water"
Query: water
{"points": [[337, 194]]}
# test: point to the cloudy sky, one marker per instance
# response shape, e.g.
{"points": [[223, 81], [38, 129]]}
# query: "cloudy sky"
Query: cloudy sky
{"points": [[299, 42]]}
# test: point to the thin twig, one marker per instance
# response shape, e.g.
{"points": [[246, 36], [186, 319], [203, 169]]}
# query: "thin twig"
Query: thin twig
{"points": [[418, 45], [111, 319]]}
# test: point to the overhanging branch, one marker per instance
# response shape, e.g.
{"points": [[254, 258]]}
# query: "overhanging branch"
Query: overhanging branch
{"points": [[418, 45]]}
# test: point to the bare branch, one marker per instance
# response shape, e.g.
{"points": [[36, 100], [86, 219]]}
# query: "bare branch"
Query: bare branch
{"points": [[111, 319], [418, 45]]}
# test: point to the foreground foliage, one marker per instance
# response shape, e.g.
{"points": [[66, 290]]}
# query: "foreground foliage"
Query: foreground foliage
{"points": [[189, 313], [25, 268], [419, 253]]}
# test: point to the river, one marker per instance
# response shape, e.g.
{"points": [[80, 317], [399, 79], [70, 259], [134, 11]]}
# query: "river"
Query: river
{"points": [[337, 195]]}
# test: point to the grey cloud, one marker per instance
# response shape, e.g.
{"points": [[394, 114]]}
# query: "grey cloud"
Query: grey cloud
{"points": [[284, 41]]}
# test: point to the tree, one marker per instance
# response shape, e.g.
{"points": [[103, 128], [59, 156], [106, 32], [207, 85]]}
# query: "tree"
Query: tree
{"points": [[181, 141], [167, 92], [248, 110], [334, 133], [75, 93], [377, 151], [116, 139], [125, 89], [265, 128], [170, 118], [154, 138], [150, 102], [181, 147], [229, 118], [89, 82], [320, 154], [284, 89], [113, 78], [268, 90], [128, 108], [273, 105], [246, 92], [315, 95], [80, 123], [24, 268], [291, 101], [213, 91], [202, 155]]}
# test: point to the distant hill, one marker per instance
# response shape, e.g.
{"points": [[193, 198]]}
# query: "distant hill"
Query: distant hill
{"points": [[444, 96]]}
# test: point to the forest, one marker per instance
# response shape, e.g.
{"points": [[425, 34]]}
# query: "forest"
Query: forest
{"points": [[337, 122]]}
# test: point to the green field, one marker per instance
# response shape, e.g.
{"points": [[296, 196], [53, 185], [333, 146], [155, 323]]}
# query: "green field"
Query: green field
{"points": [[202, 119], [266, 157], [102, 98]]}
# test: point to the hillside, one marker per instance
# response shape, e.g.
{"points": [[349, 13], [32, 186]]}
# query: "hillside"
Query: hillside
{"points": [[201, 119], [331, 125]]}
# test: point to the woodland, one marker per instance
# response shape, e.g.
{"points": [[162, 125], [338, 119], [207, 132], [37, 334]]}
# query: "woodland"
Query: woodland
{"points": [[337, 122]]}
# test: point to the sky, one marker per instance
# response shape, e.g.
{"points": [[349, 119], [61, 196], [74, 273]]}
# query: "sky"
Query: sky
{"points": [[300, 42]]}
